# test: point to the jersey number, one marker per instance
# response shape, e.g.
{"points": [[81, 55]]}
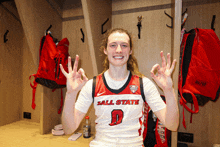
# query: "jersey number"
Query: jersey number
{"points": [[117, 116]]}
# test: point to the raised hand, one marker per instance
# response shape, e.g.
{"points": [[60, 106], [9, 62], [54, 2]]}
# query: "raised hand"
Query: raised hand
{"points": [[163, 78], [74, 80]]}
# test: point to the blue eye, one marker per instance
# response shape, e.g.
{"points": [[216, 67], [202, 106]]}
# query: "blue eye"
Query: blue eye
{"points": [[112, 45], [124, 46]]}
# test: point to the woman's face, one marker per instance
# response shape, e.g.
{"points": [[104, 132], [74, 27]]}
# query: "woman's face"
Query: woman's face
{"points": [[118, 49]]}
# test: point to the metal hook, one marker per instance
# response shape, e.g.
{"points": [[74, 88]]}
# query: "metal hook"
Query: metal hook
{"points": [[184, 12], [103, 32], [213, 22], [82, 35], [48, 29], [171, 20], [184, 15], [5, 35], [139, 25]]}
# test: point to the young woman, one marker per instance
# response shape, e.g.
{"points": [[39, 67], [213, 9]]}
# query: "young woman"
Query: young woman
{"points": [[118, 95]]}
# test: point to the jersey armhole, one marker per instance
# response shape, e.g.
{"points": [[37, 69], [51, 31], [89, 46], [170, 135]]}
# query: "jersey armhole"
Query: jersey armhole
{"points": [[141, 88], [93, 88]]}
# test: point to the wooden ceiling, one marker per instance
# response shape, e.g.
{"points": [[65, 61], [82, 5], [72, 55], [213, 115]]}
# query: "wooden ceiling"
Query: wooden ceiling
{"points": [[10, 5]]}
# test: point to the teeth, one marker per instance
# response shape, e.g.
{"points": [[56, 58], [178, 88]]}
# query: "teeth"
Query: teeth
{"points": [[118, 57]]}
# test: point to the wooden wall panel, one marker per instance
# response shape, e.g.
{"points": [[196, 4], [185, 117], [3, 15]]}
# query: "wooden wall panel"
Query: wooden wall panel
{"points": [[96, 12], [50, 104], [155, 35], [10, 67], [72, 9], [139, 4], [205, 125], [177, 8], [29, 68], [200, 15], [71, 30], [2, 29], [36, 17], [73, 22]]}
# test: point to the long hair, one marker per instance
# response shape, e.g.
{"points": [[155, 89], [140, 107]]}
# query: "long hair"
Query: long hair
{"points": [[132, 64]]}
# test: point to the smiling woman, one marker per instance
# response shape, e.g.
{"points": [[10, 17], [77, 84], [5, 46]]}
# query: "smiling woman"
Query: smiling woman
{"points": [[119, 95]]}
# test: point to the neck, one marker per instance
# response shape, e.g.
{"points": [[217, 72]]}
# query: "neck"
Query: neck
{"points": [[118, 73]]}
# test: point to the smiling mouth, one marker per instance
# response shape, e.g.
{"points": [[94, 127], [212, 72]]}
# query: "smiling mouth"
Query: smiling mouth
{"points": [[118, 57]]}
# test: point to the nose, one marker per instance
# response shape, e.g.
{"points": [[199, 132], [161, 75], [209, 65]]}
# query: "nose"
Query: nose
{"points": [[118, 49]]}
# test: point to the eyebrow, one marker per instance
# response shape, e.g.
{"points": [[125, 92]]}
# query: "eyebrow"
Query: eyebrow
{"points": [[122, 42]]}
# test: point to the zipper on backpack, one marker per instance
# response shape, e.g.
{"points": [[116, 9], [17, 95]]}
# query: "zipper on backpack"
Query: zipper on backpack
{"points": [[59, 69], [55, 70]]}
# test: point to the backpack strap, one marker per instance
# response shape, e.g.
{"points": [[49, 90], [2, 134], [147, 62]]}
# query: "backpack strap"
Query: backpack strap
{"points": [[195, 101], [183, 103], [93, 87], [146, 109], [141, 88], [34, 86]]}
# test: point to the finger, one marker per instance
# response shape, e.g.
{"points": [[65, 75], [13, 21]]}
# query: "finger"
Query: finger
{"points": [[85, 79], [79, 74], [69, 65], [168, 60], [76, 64], [156, 66], [173, 65], [163, 59], [153, 68], [62, 70]]}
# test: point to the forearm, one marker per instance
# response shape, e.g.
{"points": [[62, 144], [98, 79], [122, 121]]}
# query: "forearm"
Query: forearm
{"points": [[172, 110], [68, 114]]}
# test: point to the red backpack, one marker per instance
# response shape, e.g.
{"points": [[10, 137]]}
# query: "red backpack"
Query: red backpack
{"points": [[199, 77], [49, 73]]}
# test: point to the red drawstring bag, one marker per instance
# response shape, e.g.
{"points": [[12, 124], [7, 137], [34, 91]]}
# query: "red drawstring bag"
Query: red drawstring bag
{"points": [[199, 77], [49, 73]]}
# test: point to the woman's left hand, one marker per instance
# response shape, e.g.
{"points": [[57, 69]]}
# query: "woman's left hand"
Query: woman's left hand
{"points": [[163, 78]]}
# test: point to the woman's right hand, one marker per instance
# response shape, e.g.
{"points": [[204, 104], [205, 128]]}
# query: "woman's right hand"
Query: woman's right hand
{"points": [[73, 77]]}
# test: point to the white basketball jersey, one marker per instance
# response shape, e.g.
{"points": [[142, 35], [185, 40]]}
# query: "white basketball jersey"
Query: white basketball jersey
{"points": [[119, 113]]}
